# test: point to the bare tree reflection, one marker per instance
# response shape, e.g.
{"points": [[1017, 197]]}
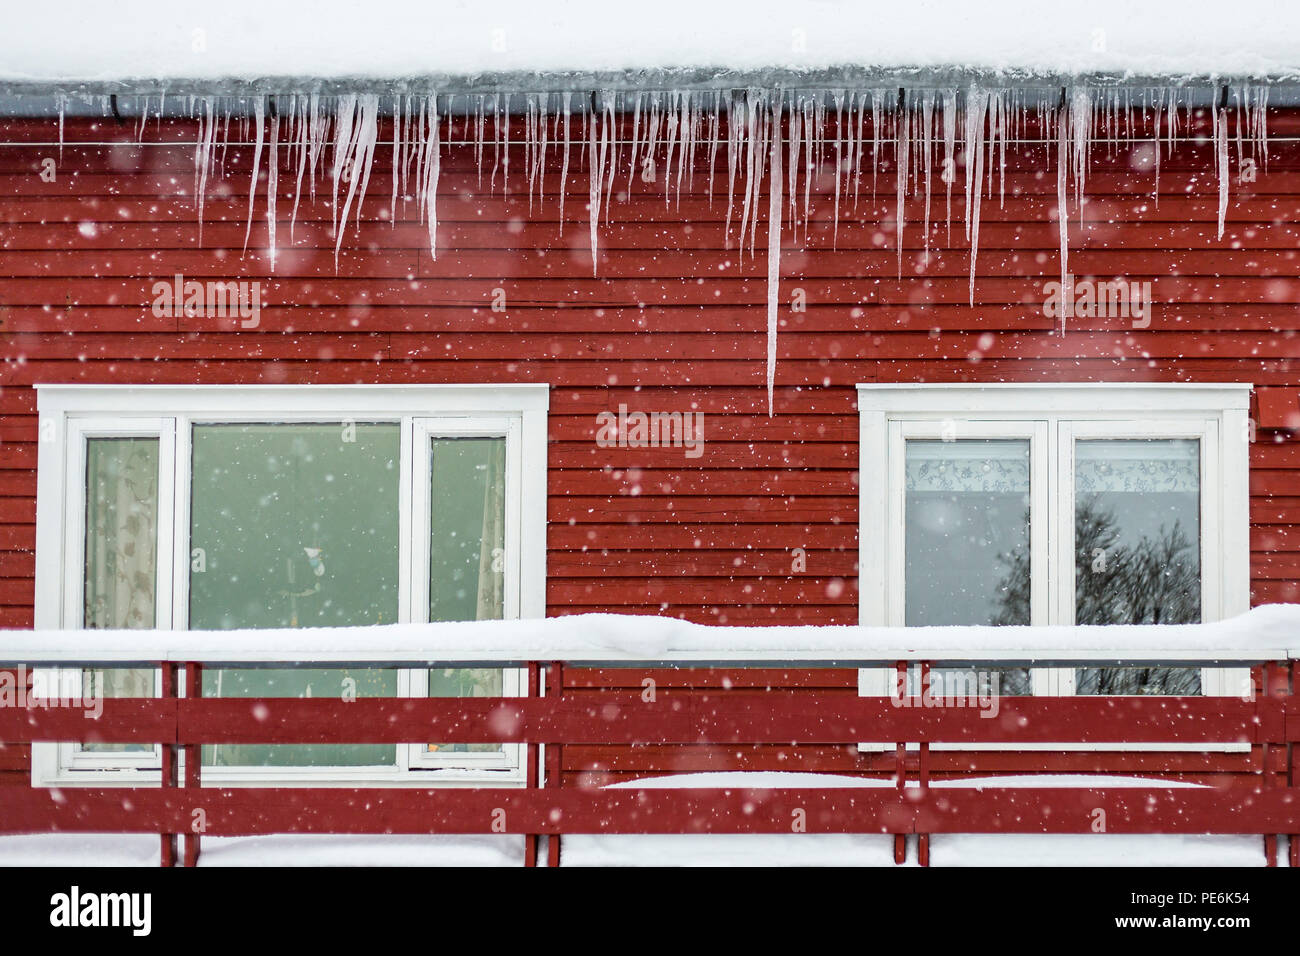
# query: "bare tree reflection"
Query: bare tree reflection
{"points": [[1155, 581]]}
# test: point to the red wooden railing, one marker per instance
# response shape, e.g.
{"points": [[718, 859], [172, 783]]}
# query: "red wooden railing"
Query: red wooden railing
{"points": [[1266, 803]]}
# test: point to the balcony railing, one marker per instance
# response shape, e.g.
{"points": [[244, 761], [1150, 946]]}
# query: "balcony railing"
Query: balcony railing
{"points": [[1265, 801]]}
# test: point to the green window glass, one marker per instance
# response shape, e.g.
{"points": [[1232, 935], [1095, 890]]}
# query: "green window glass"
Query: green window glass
{"points": [[295, 525], [466, 557], [121, 560]]}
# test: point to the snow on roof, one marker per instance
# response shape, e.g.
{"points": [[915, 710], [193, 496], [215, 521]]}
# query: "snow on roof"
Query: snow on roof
{"points": [[460, 44]]}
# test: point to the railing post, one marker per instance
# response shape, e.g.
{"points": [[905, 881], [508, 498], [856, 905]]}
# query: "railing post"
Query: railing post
{"points": [[923, 839], [531, 763], [1293, 775], [1273, 685], [193, 766], [167, 850], [554, 765], [900, 761]]}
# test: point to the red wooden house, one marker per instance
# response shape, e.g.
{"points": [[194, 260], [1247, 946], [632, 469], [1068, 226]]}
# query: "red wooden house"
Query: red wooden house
{"points": [[871, 347]]}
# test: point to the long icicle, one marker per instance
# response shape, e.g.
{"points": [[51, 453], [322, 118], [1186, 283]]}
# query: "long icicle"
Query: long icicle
{"points": [[272, 184], [1221, 158], [259, 115], [593, 184], [902, 153], [359, 153], [432, 170], [773, 248], [1062, 211]]}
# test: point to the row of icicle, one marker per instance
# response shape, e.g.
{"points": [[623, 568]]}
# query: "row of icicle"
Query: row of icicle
{"points": [[783, 138]]}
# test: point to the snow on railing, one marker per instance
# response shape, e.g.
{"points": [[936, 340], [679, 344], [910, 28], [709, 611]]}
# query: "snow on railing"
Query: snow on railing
{"points": [[1267, 633], [1263, 797]]}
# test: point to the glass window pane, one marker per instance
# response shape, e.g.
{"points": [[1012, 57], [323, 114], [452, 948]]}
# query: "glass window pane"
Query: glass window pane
{"points": [[967, 537], [295, 525], [1137, 533], [467, 529], [121, 569], [466, 557]]}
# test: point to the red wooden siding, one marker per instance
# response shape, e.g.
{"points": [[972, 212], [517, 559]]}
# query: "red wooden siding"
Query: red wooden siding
{"points": [[674, 321]]}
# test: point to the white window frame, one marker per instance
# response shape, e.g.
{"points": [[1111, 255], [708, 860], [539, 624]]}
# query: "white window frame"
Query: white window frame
{"points": [[1057, 415], [70, 414]]}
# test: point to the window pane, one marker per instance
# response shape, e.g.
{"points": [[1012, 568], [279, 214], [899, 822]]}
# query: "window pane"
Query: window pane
{"points": [[1137, 532], [967, 537], [295, 525], [121, 569], [466, 557]]}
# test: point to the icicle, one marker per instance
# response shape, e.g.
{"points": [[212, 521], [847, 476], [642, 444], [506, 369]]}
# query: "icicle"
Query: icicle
{"points": [[927, 161], [479, 140], [541, 150], [259, 109], [1155, 141], [359, 153], [733, 151], [1081, 119], [272, 186], [63, 106], [594, 168], [715, 132], [876, 107], [902, 154], [1261, 123], [949, 153], [567, 101], [397, 158], [977, 105], [855, 135], [795, 114], [637, 100], [810, 162], [1221, 160], [344, 134], [530, 138], [838, 100], [773, 250], [303, 117], [752, 103], [203, 159], [368, 139], [429, 181], [1002, 149], [673, 121], [1062, 212], [496, 142], [609, 150], [317, 130], [686, 150]]}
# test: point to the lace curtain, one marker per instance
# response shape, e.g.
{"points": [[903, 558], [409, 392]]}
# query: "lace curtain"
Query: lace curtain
{"points": [[1137, 467], [972, 466]]}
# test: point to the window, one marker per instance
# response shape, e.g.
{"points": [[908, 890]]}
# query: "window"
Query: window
{"points": [[1056, 504], [230, 507]]}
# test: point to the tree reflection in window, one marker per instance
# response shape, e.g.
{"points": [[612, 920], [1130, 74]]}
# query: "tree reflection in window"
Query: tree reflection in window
{"points": [[1137, 554]]}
